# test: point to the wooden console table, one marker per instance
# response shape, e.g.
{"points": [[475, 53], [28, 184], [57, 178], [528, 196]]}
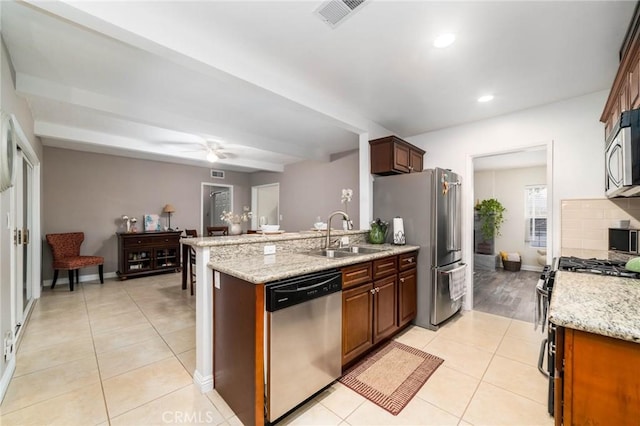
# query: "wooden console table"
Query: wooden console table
{"points": [[146, 253]]}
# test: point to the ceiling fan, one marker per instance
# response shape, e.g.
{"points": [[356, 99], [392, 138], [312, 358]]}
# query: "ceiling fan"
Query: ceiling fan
{"points": [[214, 151]]}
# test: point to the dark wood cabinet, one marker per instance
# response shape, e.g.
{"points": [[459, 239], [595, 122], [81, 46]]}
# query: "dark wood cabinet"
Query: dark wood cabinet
{"points": [[145, 253], [407, 288], [385, 309], [378, 300], [596, 379], [357, 321], [624, 94], [391, 155]]}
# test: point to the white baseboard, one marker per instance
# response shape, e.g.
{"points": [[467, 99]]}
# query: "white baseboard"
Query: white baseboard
{"points": [[204, 383], [83, 278], [7, 375]]}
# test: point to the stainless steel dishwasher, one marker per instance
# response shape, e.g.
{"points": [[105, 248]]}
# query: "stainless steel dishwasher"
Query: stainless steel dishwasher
{"points": [[304, 338]]}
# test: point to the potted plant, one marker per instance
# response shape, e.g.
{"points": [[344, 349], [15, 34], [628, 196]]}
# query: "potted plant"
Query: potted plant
{"points": [[490, 213]]}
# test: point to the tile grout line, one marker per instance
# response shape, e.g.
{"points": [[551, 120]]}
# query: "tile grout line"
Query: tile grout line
{"points": [[95, 353], [475, 391]]}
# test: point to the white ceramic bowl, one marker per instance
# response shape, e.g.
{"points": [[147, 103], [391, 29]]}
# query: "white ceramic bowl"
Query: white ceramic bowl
{"points": [[320, 225], [269, 228]]}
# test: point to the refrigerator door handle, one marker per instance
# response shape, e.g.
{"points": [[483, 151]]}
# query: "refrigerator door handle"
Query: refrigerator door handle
{"points": [[453, 234]]}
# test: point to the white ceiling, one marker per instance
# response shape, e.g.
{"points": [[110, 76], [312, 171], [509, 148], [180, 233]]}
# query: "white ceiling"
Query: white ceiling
{"points": [[272, 84]]}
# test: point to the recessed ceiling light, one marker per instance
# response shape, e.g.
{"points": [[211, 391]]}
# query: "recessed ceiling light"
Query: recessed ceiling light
{"points": [[444, 40], [485, 98]]}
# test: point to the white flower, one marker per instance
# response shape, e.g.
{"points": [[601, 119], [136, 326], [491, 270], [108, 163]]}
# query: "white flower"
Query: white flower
{"points": [[347, 194], [230, 217]]}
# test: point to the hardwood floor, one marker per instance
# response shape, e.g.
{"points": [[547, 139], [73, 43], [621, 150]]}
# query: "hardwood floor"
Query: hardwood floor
{"points": [[505, 293]]}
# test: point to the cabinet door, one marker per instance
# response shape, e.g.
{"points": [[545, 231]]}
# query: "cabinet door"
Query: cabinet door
{"points": [[357, 318], [407, 299], [167, 257], [415, 160], [139, 260], [385, 308], [401, 158]]}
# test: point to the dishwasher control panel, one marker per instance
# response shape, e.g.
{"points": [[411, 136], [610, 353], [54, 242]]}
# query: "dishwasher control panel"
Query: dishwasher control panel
{"points": [[292, 291]]}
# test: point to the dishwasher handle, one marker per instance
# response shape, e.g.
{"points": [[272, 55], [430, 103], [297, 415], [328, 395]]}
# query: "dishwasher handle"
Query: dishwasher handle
{"points": [[307, 288]]}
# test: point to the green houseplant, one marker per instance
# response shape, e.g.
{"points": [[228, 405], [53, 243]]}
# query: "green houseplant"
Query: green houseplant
{"points": [[491, 215]]}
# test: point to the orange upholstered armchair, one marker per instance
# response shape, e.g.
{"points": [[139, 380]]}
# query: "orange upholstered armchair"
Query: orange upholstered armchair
{"points": [[66, 256]]}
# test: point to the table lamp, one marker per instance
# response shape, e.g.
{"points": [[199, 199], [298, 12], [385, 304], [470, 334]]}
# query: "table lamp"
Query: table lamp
{"points": [[168, 209]]}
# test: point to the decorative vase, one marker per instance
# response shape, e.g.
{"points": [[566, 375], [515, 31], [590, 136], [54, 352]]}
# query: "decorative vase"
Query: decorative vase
{"points": [[378, 233], [235, 229]]}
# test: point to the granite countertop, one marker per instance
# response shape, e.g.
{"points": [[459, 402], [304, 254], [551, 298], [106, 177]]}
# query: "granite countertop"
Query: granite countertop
{"points": [[260, 238], [609, 306], [263, 269]]}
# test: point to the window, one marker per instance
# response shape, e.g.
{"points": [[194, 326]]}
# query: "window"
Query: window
{"points": [[535, 212]]}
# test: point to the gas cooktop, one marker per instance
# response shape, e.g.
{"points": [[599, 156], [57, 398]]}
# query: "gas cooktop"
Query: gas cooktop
{"points": [[595, 266]]}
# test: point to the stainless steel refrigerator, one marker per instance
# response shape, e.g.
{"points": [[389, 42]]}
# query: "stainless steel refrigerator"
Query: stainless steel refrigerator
{"points": [[429, 203]]}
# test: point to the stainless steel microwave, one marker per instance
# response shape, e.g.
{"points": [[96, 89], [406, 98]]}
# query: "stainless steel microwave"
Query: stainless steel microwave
{"points": [[622, 157], [625, 240]]}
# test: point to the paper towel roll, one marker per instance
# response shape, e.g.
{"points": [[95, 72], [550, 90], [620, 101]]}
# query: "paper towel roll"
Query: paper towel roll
{"points": [[398, 231]]}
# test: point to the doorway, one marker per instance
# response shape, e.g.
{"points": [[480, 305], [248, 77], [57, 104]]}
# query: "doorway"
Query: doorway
{"points": [[265, 205], [510, 177], [215, 199], [23, 225]]}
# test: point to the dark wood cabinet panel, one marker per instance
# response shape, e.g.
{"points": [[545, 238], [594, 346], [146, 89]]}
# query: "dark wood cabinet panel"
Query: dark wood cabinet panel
{"points": [[146, 253], [407, 260], [357, 321], [356, 275], [377, 307], [385, 308], [407, 296], [600, 380], [634, 84], [391, 155], [384, 267]]}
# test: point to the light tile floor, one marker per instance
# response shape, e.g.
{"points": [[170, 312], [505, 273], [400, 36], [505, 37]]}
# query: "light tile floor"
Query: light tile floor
{"points": [[123, 353]]}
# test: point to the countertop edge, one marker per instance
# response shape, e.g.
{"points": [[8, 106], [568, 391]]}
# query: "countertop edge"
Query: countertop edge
{"points": [[304, 264]]}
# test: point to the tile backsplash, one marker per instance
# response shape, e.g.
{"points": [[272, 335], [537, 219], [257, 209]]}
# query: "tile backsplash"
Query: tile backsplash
{"points": [[585, 223]]}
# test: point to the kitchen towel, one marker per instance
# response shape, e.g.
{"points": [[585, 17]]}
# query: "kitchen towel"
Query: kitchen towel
{"points": [[456, 282], [398, 231]]}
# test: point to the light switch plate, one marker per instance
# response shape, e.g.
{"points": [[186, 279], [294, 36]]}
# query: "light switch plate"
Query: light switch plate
{"points": [[345, 240]]}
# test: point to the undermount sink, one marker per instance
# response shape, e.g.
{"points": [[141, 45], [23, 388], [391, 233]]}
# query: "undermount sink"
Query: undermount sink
{"points": [[345, 251], [361, 250], [331, 253]]}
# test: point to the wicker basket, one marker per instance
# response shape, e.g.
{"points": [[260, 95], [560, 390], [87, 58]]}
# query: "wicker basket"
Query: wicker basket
{"points": [[510, 265]]}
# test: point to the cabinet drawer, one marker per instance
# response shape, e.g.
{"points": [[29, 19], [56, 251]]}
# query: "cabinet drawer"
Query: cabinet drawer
{"points": [[131, 242], [384, 267], [356, 274], [408, 260]]}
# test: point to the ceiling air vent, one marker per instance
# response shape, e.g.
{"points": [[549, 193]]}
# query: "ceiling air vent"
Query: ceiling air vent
{"points": [[333, 12], [217, 174]]}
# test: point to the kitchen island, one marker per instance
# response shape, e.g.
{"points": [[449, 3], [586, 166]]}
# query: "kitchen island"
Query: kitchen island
{"points": [[239, 267], [597, 378]]}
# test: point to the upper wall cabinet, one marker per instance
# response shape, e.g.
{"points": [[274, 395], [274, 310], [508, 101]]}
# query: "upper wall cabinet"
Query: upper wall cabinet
{"points": [[625, 92], [391, 155]]}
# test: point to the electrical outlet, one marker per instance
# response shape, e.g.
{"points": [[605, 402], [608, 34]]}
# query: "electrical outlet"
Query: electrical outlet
{"points": [[270, 249], [344, 240]]}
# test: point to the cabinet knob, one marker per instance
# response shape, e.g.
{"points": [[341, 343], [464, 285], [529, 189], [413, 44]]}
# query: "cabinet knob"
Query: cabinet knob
{"points": [[401, 280], [139, 241], [377, 289], [410, 260], [372, 291]]}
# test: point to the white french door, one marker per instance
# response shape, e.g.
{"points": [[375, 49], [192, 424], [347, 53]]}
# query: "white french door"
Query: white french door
{"points": [[22, 233]]}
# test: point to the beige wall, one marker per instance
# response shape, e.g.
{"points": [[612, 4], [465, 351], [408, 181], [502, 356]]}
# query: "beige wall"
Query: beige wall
{"points": [[90, 192], [585, 224], [507, 186], [313, 188]]}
